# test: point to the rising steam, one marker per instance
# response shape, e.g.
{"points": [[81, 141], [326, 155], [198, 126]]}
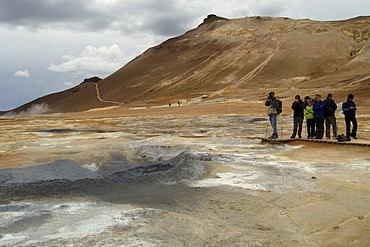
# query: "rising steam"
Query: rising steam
{"points": [[32, 110]]}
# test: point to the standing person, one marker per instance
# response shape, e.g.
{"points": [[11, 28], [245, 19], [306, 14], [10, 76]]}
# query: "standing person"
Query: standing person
{"points": [[319, 113], [330, 108], [272, 112], [349, 110], [298, 107], [306, 100], [310, 119]]}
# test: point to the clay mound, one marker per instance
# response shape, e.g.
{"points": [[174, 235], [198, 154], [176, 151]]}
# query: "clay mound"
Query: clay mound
{"points": [[240, 59], [58, 170]]}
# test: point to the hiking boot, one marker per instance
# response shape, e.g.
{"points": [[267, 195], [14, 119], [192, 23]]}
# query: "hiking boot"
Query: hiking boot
{"points": [[300, 137], [292, 137], [353, 136], [273, 137]]}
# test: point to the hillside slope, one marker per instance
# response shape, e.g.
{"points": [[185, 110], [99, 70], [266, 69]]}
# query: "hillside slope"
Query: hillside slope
{"points": [[236, 59]]}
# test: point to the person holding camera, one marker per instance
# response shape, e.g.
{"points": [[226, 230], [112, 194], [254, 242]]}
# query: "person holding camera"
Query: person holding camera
{"points": [[349, 110], [273, 104]]}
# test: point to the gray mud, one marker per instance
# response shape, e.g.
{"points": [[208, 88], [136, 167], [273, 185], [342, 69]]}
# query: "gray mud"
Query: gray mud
{"points": [[113, 181], [188, 181]]}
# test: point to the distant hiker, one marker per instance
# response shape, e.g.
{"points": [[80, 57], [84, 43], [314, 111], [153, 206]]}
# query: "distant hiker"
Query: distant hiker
{"points": [[310, 118], [273, 103], [319, 113], [349, 111], [298, 107], [330, 108], [169, 104], [178, 103]]}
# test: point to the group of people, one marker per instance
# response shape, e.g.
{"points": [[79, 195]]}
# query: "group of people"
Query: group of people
{"points": [[317, 112]]}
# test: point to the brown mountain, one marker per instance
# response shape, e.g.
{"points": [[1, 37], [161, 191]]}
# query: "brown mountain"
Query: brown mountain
{"points": [[236, 59]]}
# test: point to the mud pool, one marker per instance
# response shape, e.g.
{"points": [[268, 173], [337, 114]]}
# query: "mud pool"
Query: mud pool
{"points": [[176, 181]]}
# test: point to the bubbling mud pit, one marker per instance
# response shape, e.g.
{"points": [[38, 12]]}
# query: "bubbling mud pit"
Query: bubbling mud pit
{"points": [[176, 181]]}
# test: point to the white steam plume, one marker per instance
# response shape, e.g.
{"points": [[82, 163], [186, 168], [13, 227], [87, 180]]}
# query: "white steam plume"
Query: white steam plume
{"points": [[32, 110]]}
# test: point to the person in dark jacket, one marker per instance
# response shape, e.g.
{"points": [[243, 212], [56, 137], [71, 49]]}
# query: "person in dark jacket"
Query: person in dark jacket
{"points": [[319, 113], [298, 107], [330, 120], [349, 110]]}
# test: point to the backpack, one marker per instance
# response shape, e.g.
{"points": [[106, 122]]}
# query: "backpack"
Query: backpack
{"points": [[279, 108], [342, 138]]}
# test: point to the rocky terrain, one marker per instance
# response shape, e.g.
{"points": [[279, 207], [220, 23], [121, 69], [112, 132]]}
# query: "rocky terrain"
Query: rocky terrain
{"points": [[238, 59]]}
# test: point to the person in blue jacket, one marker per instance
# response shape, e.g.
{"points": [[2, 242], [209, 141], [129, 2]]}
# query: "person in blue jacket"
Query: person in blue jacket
{"points": [[349, 110], [319, 113]]}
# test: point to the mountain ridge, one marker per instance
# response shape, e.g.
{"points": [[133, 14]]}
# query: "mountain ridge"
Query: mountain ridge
{"points": [[238, 59]]}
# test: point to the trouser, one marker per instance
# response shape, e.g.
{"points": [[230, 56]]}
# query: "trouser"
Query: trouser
{"points": [[310, 128], [298, 121], [319, 122], [330, 120], [348, 120], [273, 121]]}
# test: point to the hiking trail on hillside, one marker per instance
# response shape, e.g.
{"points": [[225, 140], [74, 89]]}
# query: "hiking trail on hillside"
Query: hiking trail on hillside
{"points": [[102, 100]]}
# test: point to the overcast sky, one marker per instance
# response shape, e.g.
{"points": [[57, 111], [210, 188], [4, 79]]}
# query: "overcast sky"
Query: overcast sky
{"points": [[51, 45]]}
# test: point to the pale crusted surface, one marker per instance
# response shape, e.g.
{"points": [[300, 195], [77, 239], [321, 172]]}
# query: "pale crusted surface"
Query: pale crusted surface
{"points": [[227, 190]]}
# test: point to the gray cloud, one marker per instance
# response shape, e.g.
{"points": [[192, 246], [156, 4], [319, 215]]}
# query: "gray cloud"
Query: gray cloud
{"points": [[270, 9], [159, 17], [41, 13], [54, 34]]}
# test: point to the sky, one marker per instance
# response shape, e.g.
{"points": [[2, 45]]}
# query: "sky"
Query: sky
{"points": [[48, 46]]}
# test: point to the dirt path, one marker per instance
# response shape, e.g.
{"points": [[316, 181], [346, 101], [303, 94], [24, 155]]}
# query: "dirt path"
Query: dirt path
{"points": [[102, 100], [357, 81]]}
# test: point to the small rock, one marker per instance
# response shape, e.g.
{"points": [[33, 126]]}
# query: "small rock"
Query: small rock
{"points": [[360, 217], [336, 227], [314, 177]]}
